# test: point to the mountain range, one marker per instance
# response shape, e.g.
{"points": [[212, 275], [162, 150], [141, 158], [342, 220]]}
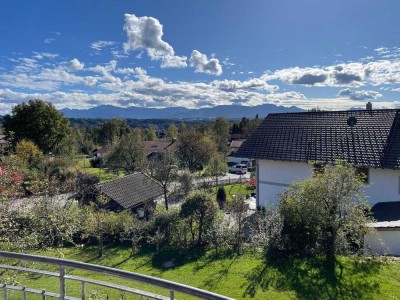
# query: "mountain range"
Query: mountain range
{"points": [[227, 111]]}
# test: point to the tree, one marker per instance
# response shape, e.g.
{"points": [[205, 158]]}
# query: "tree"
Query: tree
{"points": [[39, 122], [186, 183], [112, 130], [220, 131], [128, 154], [217, 166], [238, 210], [200, 209], [163, 169], [325, 214], [100, 222], [28, 153], [172, 133], [135, 230], [149, 134], [194, 149]]}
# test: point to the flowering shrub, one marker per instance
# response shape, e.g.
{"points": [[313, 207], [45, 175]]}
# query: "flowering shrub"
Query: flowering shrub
{"points": [[251, 184]]}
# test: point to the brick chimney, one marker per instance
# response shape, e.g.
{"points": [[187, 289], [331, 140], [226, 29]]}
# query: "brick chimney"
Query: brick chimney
{"points": [[369, 106]]}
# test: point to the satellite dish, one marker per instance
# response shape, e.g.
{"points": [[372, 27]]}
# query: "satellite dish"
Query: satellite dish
{"points": [[352, 121]]}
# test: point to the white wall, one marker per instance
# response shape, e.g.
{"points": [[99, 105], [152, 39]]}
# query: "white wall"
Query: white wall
{"points": [[386, 242], [275, 176], [384, 186]]}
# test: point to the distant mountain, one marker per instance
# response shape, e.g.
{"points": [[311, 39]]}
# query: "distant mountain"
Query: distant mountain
{"points": [[228, 111]]}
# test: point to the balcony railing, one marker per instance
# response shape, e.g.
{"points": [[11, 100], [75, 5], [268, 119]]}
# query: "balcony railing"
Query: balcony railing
{"points": [[64, 264]]}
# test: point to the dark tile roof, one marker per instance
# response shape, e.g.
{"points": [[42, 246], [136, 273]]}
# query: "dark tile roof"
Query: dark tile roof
{"points": [[386, 211], [326, 136], [131, 190], [159, 146]]}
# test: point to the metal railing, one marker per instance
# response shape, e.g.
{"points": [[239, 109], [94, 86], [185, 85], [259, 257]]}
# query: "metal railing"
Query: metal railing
{"points": [[63, 264]]}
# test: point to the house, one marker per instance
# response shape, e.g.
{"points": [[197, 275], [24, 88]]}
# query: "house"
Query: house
{"points": [[233, 160], [155, 149], [137, 192], [285, 144], [151, 148], [98, 153]]}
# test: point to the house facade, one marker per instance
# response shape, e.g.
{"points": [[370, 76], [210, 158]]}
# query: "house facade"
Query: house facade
{"points": [[285, 146]]}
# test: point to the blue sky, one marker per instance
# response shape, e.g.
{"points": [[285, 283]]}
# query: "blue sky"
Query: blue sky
{"points": [[80, 54]]}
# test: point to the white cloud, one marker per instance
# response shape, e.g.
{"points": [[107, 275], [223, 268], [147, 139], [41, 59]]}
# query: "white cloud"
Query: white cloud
{"points": [[359, 95], [99, 45], [145, 33], [76, 65], [204, 65], [251, 84], [49, 40], [352, 74], [43, 55]]}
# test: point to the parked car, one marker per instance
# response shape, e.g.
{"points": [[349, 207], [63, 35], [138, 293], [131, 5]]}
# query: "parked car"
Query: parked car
{"points": [[239, 168]]}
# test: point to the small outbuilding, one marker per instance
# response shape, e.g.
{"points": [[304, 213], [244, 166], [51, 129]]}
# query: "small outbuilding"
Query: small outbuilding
{"points": [[137, 192]]}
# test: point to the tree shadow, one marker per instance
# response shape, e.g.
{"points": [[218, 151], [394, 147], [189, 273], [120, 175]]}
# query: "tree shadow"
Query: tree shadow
{"points": [[178, 258], [213, 281], [309, 278], [212, 256]]}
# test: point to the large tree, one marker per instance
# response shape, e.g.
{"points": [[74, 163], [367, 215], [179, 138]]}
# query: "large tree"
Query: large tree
{"points": [[220, 131], [128, 154], [163, 169], [39, 122], [199, 209], [111, 131], [194, 149]]}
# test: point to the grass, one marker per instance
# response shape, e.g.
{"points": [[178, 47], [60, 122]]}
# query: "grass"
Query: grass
{"points": [[102, 174], [237, 189], [245, 276]]}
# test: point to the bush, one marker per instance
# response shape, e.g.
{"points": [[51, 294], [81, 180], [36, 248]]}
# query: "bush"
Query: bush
{"points": [[221, 197]]}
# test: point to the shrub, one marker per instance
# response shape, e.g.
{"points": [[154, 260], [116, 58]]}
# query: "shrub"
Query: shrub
{"points": [[221, 197]]}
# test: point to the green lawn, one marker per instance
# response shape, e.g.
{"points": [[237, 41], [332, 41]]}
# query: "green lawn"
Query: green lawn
{"points": [[246, 276], [237, 189], [103, 174]]}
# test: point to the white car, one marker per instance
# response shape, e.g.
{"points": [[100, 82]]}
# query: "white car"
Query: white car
{"points": [[239, 168]]}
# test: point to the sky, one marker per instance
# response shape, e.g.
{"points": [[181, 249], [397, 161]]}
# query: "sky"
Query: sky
{"points": [[200, 53]]}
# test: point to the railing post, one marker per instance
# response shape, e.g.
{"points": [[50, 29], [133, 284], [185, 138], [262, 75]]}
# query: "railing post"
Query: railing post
{"points": [[24, 293], [43, 294], [83, 291], [62, 283], [172, 295], [5, 292]]}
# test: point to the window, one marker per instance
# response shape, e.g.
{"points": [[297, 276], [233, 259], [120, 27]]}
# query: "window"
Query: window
{"points": [[363, 172]]}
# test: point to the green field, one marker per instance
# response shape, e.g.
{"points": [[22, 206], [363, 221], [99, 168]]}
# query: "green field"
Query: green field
{"points": [[245, 276]]}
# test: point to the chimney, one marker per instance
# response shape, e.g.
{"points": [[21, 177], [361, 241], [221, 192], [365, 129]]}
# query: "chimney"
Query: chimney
{"points": [[369, 106]]}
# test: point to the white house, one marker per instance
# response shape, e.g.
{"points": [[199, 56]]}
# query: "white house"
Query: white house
{"points": [[285, 145]]}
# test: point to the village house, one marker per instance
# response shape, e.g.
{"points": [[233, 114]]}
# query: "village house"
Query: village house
{"points": [[232, 159], [137, 192], [152, 149], [292, 146]]}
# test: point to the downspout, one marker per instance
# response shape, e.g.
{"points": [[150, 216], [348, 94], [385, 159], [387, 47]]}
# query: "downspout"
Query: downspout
{"points": [[257, 183]]}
